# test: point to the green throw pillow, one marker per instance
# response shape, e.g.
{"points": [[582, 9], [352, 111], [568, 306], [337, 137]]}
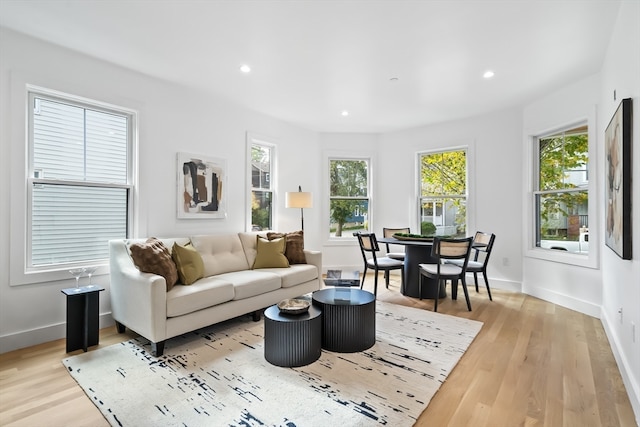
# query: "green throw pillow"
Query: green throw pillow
{"points": [[188, 262], [270, 253]]}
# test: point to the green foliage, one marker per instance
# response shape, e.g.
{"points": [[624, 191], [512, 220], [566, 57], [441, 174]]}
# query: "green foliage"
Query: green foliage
{"points": [[444, 173], [559, 155], [260, 216], [427, 228]]}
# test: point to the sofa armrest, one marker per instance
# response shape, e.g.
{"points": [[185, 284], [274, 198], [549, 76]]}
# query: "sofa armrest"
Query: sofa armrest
{"points": [[138, 300], [315, 258]]}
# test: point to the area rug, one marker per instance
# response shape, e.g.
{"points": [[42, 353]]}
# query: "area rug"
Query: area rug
{"points": [[217, 376]]}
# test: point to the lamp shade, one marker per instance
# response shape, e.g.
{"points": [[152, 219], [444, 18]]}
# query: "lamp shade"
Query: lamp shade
{"points": [[298, 199]]}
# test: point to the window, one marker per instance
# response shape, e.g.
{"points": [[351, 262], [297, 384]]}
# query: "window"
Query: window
{"points": [[349, 196], [80, 185], [561, 196], [443, 193], [262, 163]]}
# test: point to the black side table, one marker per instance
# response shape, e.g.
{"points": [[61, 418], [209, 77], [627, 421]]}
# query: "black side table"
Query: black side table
{"points": [[292, 340], [348, 319], [83, 306]]}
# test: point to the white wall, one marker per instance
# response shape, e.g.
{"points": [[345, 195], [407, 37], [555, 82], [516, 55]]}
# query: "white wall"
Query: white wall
{"points": [[495, 187], [171, 119], [494, 153], [620, 278], [579, 288]]}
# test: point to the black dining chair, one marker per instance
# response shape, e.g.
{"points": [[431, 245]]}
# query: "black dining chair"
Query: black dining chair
{"points": [[389, 232], [481, 247], [447, 250], [369, 245]]}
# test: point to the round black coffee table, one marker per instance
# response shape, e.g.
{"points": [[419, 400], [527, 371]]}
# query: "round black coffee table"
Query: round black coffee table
{"points": [[292, 340], [348, 319]]}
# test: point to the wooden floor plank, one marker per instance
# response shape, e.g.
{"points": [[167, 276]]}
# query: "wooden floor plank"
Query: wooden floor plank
{"points": [[532, 364]]}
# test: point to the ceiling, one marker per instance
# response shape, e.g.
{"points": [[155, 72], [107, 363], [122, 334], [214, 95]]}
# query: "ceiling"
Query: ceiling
{"points": [[392, 64]]}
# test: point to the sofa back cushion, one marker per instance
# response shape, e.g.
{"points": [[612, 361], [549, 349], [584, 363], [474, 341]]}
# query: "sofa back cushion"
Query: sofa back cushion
{"points": [[221, 253], [249, 243]]}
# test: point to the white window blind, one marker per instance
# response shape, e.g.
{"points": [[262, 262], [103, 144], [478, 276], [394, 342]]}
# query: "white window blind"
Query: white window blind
{"points": [[80, 181]]}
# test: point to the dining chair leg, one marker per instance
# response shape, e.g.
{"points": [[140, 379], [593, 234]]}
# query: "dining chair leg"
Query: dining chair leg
{"points": [[475, 279], [466, 293], [486, 282], [437, 296], [375, 284], [419, 287], [454, 289]]}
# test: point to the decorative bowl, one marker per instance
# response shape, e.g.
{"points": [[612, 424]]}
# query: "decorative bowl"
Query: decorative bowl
{"points": [[294, 306]]}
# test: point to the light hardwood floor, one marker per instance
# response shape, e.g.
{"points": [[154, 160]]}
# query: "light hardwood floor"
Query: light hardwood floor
{"points": [[533, 364]]}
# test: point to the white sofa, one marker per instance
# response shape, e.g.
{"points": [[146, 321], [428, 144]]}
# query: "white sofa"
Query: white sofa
{"points": [[230, 287]]}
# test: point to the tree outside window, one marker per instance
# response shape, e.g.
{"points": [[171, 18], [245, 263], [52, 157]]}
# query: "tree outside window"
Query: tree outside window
{"points": [[561, 196], [349, 196], [443, 193]]}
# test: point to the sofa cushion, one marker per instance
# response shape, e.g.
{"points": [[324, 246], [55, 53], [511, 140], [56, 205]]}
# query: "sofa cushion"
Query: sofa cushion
{"points": [[297, 274], [221, 253], [188, 262], [250, 283], [270, 253], [294, 250], [206, 292], [153, 256]]}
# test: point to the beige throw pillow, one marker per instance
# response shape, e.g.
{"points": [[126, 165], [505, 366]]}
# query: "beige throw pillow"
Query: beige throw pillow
{"points": [[294, 250], [188, 262], [270, 253], [154, 257]]}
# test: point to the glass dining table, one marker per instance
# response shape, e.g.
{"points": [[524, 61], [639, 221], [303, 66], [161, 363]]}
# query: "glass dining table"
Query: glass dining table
{"points": [[417, 252]]}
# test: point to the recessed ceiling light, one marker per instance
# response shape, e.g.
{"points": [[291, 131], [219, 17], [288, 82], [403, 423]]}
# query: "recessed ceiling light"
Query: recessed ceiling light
{"points": [[488, 74], [245, 68], [344, 113], [394, 79]]}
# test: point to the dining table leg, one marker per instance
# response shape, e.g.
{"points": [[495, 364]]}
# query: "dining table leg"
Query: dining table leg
{"points": [[415, 255]]}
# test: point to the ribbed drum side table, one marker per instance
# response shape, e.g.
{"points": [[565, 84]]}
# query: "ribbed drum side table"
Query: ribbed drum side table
{"points": [[292, 340], [348, 319]]}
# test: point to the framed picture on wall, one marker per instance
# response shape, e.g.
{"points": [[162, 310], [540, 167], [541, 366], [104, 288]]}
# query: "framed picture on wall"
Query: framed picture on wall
{"points": [[201, 187], [618, 181]]}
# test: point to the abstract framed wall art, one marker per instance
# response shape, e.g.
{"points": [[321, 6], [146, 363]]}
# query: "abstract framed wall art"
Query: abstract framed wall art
{"points": [[201, 186], [618, 181]]}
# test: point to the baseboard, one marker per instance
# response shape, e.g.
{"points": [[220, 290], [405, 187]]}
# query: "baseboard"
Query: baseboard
{"points": [[37, 336], [631, 385], [584, 307]]}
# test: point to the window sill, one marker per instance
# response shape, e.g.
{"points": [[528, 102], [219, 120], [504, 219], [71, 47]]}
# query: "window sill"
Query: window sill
{"points": [[579, 260]]}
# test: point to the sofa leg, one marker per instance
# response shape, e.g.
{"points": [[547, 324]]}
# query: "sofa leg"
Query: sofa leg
{"points": [[120, 327], [157, 348], [256, 316]]}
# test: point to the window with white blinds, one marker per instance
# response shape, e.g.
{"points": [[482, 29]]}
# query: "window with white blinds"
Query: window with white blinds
{"points": [[80, 180]]}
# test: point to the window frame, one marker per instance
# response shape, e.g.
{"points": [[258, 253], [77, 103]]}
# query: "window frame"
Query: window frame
{"points": [[531, 169], [22, 272], [251, 140], [469, 153], [370, 158]]}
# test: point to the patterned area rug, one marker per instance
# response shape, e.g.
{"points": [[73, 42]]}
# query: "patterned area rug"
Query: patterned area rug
{"points": [[218, 376]]}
